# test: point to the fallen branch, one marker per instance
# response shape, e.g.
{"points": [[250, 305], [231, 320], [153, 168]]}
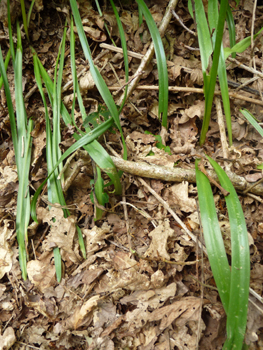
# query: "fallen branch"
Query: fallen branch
{"points": [[179, 174]]}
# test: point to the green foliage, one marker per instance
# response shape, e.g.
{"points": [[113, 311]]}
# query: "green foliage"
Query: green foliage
{"points": [[21, 135], [209, 44], [233, 286], [161, 61]]}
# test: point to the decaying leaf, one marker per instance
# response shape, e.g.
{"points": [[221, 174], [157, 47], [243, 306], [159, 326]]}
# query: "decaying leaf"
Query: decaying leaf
{"points": [[8, 339], [6, 252], [158, 247]]}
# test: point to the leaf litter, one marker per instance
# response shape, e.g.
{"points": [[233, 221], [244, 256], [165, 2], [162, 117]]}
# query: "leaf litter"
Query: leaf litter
{"points": [[140, 286]]}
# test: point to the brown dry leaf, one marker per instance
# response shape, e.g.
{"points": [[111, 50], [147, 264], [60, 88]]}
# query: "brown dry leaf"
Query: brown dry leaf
{"points": [[36, 334], [153, 298], [86, 83], [6, 253], [84, 314], [95, 238], [8, 339], [39, 142], [139, 143], [253, 177], [130, 21], [41, 273], [197, 110], [8, 184], [158, 246], [254, 322], [177, 196], [127, 274], [182, 311], [62, 233], [105, 314]]}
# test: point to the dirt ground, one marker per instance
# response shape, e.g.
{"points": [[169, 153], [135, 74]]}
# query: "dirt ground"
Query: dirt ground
{"points": [[145, 283]]}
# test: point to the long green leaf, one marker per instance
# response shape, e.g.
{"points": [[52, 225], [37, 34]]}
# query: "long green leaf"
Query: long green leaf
{"points": [[204, 36], [213, 237], [161, 62], [231, 28], [88, 138], [124, 49], [240, 265], [100, 83], [252, 120], [213, 73], [222, 75], [20, 130], [241, 46]]}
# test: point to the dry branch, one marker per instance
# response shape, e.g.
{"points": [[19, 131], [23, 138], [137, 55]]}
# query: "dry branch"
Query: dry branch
{"points": [[179, 174]]}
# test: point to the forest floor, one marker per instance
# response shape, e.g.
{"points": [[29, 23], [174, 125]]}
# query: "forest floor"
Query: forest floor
{"points": [[145, 283]]}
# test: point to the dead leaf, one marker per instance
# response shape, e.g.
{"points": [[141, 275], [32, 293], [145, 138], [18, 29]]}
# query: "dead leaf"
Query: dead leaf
{"points": [[41, 273], [6, 254], [158, 245], [8, 339]]}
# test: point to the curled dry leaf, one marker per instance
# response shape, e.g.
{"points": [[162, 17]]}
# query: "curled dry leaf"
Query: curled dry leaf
{"points": [[86, 83], [8, 339], [6, 253], [62, 234], [95, 238], [158, 246], [41, 273], [84, 314], [8, 184], [177, 196]]}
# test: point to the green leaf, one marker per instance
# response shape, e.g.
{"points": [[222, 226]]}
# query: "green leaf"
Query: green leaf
{"points": [[241, 46], [240, 264], [100, 83], [231, 28], [252, 120], [161, 62], [213, 237], [210, 89], [204, 36]]}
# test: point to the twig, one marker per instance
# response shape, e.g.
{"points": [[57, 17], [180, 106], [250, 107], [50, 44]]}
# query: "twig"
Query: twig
{"points": [[178, 174], [182, 24], [194, 90], [249, 69], [222, 129], [176, 217]]}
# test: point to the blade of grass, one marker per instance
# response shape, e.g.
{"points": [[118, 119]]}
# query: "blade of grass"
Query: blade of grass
{"points": [[23, 9], [30, 12], [124, 50], [100, 83], [95, 150], [231, 28], [20, 130], [252, 120], [161, 62], [240, 263], [222, 75], [88, 138], [204, 36], [241, 46], [7, 59], [11, 42], [213, 71], [49, 151], [213, 237]]}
